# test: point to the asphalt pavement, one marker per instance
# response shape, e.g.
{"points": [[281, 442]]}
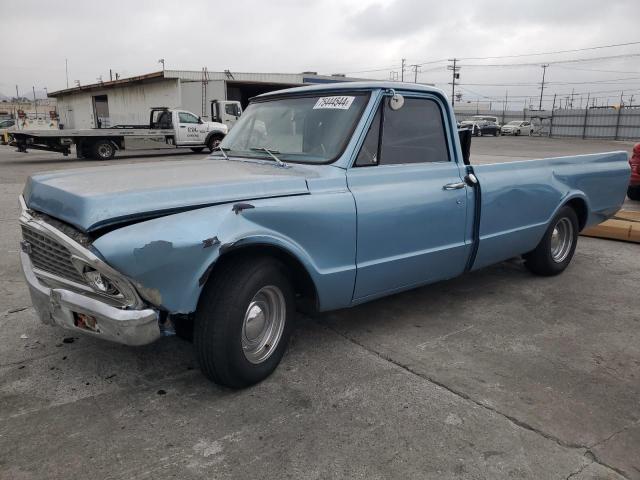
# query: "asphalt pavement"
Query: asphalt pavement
{"points": [[497, 374]]}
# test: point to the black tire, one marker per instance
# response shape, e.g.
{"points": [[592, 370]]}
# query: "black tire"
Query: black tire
{"points": [[496, 133], [517, 132], [214, 141], [541, 261], [197, 149], [103, 150], [479, 132], [220, 317], [633, 192]]}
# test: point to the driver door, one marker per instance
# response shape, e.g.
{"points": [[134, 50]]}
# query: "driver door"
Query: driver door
{"points": [[191, 130], [411, 201]]}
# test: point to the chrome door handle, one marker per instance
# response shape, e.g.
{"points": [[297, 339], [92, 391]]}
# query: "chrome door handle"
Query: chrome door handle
{"points": [[454, 186]]}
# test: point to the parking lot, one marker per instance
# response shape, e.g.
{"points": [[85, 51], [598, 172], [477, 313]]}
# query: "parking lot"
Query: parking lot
{"points": [[497, 374]]}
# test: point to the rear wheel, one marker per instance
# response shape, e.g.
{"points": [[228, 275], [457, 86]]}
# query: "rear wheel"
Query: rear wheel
{"points": [[634, 192], [555, 251], [243, 321], [103, 150]]}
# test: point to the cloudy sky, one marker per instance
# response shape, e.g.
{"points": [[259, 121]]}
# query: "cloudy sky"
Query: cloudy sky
{"points": [[366, 38]]}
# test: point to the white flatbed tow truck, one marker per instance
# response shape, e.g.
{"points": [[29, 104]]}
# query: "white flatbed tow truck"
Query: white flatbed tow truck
{"points": [[168, 128]]}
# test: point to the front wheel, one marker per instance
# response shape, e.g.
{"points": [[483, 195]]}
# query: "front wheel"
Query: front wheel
{"points": [[214, 142], [555, 251], [243, 321], [633, 192]]}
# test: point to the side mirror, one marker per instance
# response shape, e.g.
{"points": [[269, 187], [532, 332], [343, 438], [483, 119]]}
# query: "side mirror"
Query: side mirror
{"points": [[396, 102]]}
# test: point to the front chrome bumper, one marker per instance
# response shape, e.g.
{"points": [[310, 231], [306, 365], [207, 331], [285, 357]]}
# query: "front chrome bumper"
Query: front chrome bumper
{"points": [[59, 301], [57, 306]]}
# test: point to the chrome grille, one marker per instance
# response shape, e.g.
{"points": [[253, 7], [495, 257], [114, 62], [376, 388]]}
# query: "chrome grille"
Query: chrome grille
{"points": [[51, 256]]}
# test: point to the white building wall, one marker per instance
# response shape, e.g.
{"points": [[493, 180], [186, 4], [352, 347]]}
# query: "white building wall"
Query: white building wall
{"points": [[128, 104], [192, 95]]}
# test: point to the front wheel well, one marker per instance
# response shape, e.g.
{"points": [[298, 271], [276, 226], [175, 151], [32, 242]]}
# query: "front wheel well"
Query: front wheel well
{"points": [[303, 285], [582, 211]]}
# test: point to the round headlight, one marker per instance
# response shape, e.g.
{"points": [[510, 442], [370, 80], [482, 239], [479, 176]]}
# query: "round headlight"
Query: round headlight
{"points": [[99, 282]]}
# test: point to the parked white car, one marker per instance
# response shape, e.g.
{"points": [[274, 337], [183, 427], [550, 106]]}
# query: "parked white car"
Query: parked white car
{"points": [[487, 118], [517, 127]]}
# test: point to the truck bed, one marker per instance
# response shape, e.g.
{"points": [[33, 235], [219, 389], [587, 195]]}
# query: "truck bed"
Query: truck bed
{"points": [[94, 132], [519, 198]]}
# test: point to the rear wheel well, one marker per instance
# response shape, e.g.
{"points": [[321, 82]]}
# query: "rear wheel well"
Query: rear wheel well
{"points": [[582, 212]]}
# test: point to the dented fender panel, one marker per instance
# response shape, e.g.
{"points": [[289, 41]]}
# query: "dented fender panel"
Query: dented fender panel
{"points": [[167, 258]]}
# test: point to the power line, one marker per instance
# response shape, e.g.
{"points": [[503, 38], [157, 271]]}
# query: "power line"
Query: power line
{"points": [[555, 52], [553, 62], [595, 69]]}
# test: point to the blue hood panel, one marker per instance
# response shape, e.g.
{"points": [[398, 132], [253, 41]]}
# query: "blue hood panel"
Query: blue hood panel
{"points": [[92, 198]]}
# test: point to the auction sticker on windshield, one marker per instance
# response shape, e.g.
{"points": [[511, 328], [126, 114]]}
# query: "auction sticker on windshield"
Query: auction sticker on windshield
{"points": [[340, 103]]}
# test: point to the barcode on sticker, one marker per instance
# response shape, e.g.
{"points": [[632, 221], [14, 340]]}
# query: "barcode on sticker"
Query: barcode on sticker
{"points": [[340, 103]]}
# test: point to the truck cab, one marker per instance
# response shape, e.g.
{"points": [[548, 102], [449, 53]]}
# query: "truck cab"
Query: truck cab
{"points": [[189, 128], [226, 112]]}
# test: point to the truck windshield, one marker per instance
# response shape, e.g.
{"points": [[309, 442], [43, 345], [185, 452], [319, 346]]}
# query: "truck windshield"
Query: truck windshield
{"points": [[309, 129]]}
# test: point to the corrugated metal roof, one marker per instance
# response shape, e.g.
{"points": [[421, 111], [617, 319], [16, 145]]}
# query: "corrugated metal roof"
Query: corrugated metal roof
{"points": [[115, 83], [287, 79], [194, 75]]}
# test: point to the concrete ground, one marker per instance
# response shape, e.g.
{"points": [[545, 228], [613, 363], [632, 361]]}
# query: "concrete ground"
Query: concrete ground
{"points": [[497, 374]]}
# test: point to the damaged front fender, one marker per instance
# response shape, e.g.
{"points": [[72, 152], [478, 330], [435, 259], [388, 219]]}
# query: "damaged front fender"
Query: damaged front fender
{"points": [[170, 258]]}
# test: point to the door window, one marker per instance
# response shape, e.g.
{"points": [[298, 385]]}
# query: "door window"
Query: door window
{"points": [[413, 134], [188, 118]]}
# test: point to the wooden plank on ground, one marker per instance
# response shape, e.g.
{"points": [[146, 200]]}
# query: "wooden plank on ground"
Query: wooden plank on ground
{"points": [[625, 225]]}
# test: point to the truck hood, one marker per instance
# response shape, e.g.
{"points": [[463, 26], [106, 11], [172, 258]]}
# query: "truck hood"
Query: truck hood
{"points": [[98, 197]]}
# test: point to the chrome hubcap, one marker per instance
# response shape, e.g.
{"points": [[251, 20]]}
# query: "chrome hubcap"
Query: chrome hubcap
{"points": [[561, 240], [263, 324]]}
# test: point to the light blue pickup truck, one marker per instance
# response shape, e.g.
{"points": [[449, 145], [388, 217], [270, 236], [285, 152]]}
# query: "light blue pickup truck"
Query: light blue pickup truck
{"points": [[320, 198]]}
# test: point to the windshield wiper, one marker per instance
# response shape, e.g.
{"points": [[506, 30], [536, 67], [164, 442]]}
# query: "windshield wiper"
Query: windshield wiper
{"points": [[271, 154]]}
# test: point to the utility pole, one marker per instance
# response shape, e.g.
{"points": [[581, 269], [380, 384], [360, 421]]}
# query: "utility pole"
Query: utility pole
{"points": [[544, 71], [572, 90], [504, 105], [110, 75], [454, 76], [404, 60], [415, 73], [66, 70], [35, 102], [17, 95]]}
